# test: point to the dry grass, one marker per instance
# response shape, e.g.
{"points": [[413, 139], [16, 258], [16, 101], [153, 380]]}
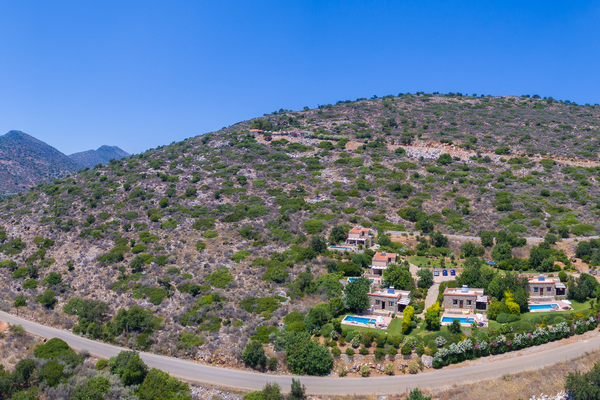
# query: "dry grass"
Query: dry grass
{"points": [[547, 380]]}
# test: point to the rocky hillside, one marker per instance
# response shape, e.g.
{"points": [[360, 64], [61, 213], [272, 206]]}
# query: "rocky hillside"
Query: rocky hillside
{"points": [[26, 161], [216, 237], [102, 155]]}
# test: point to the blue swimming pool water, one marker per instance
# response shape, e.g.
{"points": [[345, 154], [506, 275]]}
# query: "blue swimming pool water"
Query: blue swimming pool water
{"points": [[360, 320], [543, 306], [462, 320], [353, 279], [340, 248]]}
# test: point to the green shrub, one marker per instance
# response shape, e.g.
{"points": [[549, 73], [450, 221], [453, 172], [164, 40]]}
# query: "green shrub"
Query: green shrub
{"points": [[502, 318], [210, 234], [220, 278]]}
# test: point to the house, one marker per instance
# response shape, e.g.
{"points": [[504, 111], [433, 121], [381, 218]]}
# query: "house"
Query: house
{"points": [[256, 131], [381, 262], [546, 287], [389, 299], [359, 235], [465, 298]]}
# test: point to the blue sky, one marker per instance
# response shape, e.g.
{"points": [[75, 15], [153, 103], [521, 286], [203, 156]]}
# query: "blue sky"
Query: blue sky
{"points": [[139, 74]]}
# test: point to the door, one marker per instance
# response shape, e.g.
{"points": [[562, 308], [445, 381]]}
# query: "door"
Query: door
{"points": [[541, 291], [460, 304], [383, 305]]}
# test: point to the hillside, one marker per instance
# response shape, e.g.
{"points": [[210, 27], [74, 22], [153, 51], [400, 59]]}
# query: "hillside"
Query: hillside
{"points": [[26, 161], [102, 155], [212, 235]]}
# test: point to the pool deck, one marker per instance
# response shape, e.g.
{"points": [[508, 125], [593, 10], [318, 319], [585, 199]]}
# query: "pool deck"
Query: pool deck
{"points": [[562, 305], [479, 318], [387, 321]]}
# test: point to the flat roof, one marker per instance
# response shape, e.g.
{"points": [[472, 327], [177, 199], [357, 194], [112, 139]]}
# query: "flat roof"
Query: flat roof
{"points": [[384, 293], [471, 292], [384, 256]]}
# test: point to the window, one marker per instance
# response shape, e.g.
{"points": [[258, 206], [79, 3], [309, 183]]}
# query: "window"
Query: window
{"points": [[377, 302], [391, 303], [535, 289], [468, 302], [454, 301]]}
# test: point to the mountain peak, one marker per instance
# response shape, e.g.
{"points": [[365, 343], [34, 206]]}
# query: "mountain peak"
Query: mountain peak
{"points": [[102, 155]]}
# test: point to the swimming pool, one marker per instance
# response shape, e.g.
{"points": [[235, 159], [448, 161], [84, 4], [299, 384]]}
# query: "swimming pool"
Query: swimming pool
{"points": [[543, 307], [462, 320], [354, 279], [360, 320], [340, 248]]}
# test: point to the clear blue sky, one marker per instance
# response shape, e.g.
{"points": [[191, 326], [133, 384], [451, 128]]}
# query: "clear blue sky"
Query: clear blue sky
{"points": [[138, 74]]}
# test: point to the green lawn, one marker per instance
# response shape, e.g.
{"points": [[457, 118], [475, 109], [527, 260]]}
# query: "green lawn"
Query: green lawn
{"points": [[577, 307]]}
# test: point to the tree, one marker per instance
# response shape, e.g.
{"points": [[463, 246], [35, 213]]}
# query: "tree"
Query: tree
{"points": [[562, 275], [495, 309], [338, 234], [160, 385], [444, 159], [129, 366], [93, 389], [399, 277], [487, 238], [316, 317], [384, 240], [254, 355], [438, 239], [424, 225], [425, 277], [272, 391], [470, 250], [47, 299], [584, 386], [502, 252], [355, 295], [307, 357], [474, 275], [563, 231], [298, 391], [20, 301], [455, 326], [416, 394], [318, 244]]}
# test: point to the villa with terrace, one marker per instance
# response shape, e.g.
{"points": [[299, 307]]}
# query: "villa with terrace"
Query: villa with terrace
{"points": [[465, 299], [359, 235], [542, 288], [389, 300], [381, 261]]}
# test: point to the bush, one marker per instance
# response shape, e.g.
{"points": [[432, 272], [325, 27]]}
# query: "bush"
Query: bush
{"points": [[101, 364], [379, 353], [406, 350], [129, 366], [502, 318], [210, 234], [336, 351], [272, 363], [254, 355], [349, 351], [365, 370], [364, 351]]}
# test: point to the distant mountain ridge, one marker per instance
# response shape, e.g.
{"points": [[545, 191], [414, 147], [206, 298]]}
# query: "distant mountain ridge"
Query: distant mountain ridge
{"points": [[102, 155], [26, 161]]}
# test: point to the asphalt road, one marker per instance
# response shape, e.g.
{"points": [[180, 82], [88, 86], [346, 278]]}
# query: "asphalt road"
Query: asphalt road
{"points": [[244, 380]]}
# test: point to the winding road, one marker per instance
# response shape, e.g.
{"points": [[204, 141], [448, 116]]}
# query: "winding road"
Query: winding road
{"points": [[245, 380]]}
